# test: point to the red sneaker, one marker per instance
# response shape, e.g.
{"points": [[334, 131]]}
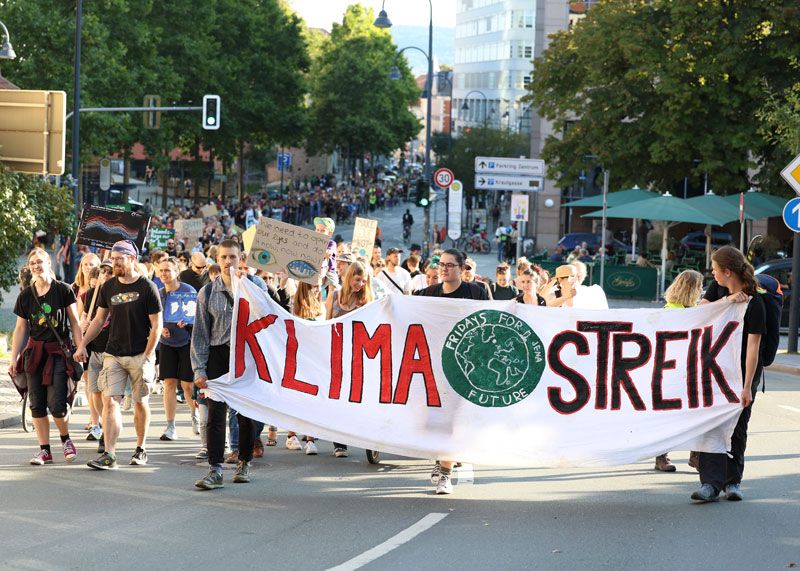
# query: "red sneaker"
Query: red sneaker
{"points": [[42, 458], [70, 452]]}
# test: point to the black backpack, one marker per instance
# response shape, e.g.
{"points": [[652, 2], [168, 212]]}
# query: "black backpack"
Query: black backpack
{"points": [[770, 291]]}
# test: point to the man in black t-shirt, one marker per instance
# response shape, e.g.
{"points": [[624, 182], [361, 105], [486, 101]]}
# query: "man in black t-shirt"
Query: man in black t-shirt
{"points": [[195, 275], [451, 265], [133, 332]]}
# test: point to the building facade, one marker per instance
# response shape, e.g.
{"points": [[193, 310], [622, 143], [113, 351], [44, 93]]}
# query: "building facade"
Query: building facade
{"points": [[494, 46]]}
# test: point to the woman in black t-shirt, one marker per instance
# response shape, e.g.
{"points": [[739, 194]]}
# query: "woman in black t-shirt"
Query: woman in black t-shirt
{"points": [[720, 472], [47, 302]]}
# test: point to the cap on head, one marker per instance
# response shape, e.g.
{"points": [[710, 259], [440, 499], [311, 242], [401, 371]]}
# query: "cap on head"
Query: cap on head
{"points": [[565, 271], [329, 224], [346, 257], [394, 251], [126, 247]]}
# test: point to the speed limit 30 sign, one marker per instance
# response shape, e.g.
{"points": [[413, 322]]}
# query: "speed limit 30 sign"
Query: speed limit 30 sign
{"points": [[443, 178]]}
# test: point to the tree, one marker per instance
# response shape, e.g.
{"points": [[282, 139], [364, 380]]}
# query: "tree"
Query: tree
{"points": [[650, 86], [29, 204], [355, 106]]}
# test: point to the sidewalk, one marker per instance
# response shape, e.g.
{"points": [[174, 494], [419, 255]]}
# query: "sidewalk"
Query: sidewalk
{"points": [[10, 405]]}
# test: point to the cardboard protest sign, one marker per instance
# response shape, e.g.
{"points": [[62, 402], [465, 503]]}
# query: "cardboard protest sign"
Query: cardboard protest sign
{"points": [[363, 238], [278, 246], [180, 306], [159, 237], [247, 238], [209, 210], [100, 227], [189, 229]]}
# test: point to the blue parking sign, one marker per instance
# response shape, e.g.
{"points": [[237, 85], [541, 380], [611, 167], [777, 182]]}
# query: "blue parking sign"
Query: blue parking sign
{"points": [[791, 214]]}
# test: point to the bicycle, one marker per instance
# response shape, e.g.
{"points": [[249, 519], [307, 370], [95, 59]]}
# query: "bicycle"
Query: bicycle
{"points": [[478, 244]]}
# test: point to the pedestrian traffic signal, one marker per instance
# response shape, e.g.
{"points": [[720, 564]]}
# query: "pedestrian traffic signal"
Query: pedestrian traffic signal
{"points": [[423, 193], [211, 109]]}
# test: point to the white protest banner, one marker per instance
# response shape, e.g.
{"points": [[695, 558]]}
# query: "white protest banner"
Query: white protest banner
{"points": [[189, 229], [209, 210], [495, 382], [280, 246], [363, 238]]}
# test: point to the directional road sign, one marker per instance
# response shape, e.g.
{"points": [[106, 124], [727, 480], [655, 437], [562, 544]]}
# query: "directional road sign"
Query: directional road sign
{"points": [[791, 174], [501, 165], [443, 178], [791, 214], [509, 182]]}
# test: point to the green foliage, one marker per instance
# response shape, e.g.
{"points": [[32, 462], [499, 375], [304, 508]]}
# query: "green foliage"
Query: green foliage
{"points": [[650, 86], [355, 106], [481, 142], [29, 203]]}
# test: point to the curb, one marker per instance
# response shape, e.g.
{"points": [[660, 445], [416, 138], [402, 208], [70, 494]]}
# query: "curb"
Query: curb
{"points": [[788, 369], [9, 420]]}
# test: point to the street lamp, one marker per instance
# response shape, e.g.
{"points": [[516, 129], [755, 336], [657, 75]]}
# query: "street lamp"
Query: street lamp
{"points": [[383, 22], [6, 51], [487, 111]]}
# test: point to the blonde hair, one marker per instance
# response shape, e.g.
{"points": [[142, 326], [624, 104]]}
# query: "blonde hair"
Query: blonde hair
{"points": [[347, 297], [580, 271], [42, 252], [80, 281], [305, 303], [685, 289]]}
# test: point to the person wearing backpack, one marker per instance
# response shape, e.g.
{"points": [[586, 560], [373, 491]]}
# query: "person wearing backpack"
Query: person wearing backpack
{"points": [[734, 276]]}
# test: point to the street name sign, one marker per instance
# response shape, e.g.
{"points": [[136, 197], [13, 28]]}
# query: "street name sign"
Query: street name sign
{"points": [[509, 182], [503, 165], [791, 214], [791, 174]]}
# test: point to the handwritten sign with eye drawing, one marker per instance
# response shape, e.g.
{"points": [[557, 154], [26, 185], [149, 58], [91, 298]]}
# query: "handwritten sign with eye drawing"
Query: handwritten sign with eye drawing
{"points": [[278, 246]]}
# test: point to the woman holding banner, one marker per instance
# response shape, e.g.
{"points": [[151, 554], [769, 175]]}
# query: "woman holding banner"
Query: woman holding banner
{"points": [[356, 292], [81, 286], [176, 336], [723, 472]]}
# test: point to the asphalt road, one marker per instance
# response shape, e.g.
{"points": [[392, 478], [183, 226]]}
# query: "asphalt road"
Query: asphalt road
{"points": [[318, 512]]}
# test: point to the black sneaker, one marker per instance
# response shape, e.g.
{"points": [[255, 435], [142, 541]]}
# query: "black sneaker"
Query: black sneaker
{"points": [[139, 458], [104, 462], [212, 481], [242, 474]]}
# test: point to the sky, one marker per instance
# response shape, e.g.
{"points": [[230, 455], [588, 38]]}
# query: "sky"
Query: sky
{"points": [[321, 13]]}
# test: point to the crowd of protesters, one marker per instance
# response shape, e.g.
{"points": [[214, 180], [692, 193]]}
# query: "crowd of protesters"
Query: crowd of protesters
{"points": [[113, 315]]}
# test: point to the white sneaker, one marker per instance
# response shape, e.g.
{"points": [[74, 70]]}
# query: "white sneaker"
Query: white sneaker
{"points": [[202, 455], [126, 403], [195, 422], [96, 433], [292, 443], [445, 485], [170, 434], [340, 452], [311, 448], [435, 474]]}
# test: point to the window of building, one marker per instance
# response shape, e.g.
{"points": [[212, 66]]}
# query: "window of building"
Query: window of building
{"points": [[528, 51]]}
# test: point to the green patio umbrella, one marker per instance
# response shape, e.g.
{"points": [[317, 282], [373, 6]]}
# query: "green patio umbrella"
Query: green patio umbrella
{"points": [[617, 198], [758, 205], [667, 209], [711, 202]]}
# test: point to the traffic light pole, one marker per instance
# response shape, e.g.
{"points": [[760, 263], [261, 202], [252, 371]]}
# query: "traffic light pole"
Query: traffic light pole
{"points": [[122, 109]]}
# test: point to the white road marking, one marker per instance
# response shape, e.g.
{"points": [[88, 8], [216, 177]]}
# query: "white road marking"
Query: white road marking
{"points": [[466, 475], [390, 544], [793, 409]]}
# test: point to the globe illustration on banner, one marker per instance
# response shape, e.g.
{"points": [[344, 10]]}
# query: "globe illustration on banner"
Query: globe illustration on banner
{"points": [[493, 358]]}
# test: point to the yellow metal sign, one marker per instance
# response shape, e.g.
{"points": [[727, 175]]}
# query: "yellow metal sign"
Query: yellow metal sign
{"points": [[791, 174], [32, 131]]}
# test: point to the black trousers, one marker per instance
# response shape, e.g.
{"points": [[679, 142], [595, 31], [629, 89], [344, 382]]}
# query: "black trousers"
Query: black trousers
{"points": [[720, 470], [218, 415], [52, 397]]}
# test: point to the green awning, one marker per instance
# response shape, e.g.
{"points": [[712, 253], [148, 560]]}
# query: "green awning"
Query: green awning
{"points": [[759, 205], [616, 198], [719, 205], [664, 208]]}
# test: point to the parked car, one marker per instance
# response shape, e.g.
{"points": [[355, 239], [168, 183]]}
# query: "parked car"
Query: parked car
{"points": [[696, 240], [781, 270]]}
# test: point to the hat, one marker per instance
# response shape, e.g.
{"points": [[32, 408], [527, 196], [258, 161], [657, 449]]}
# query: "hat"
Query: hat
{"points": [[126, 247], [106, 262], [394, 251], [565, 271], [471, 263], [347, 258], [329, 224]]}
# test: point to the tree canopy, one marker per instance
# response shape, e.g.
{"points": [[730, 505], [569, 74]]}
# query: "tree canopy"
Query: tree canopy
{"points": [[663, 89]]}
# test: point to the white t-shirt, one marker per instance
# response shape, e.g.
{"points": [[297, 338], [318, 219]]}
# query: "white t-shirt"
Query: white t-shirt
{"points": [[400, 277], [419, 282]]}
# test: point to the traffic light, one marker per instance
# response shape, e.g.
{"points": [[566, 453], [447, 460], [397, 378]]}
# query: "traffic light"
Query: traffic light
{"points": [[422, 197], [211, 109]]}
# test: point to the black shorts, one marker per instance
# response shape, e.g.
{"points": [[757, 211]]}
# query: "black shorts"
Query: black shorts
{"points": [[175, 363]]}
